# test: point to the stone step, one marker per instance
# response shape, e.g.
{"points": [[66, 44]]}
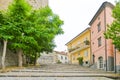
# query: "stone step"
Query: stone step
{"points": [[34, 74], [55, 71]]}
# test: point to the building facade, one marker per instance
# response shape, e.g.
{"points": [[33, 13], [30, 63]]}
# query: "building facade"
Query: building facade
{"points": [[62, 57], [47, 58], [35, 3], [53, 58], [102, 49], [80, 47]]}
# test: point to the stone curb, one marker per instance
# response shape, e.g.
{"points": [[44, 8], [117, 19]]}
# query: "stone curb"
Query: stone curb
{"points": [[58, 76], [59, 71], [64, 75], [46, 71]]}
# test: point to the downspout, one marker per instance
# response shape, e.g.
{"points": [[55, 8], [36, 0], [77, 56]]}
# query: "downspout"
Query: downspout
{"points": [[91, 57], [115, 59], [105, 39]]}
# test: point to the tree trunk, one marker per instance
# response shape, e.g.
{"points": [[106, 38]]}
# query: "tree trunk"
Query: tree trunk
{"points": [[20, 58], [4, 54], [35, 59]]}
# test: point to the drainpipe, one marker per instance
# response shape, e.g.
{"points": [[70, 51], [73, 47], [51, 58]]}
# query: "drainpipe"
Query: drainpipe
{"points": [[91, 57], [115, 59], [105, 39]]}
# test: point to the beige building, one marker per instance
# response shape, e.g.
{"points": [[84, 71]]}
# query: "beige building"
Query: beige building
{"points": [[35, 3], [62, 57], [53, 57], [47, 58]]}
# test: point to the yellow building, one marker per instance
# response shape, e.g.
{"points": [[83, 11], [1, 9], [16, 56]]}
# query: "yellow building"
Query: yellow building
{"points": [[79, 46]]}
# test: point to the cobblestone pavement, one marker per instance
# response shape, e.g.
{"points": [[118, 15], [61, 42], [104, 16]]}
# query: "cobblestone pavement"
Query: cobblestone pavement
{"points": [[58, 72]]}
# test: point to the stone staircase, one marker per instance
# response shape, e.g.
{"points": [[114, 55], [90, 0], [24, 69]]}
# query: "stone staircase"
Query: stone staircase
{"points": [[58, 70]]}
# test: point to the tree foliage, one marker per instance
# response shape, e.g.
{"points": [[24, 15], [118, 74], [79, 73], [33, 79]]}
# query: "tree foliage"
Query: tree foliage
{"points": [[5, 34], [113, 31], [5, 26]]}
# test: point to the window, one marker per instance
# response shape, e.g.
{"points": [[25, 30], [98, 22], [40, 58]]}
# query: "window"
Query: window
{"points": [[65, 58], [78, 43], [86, 53], [73, 58], [85, 39], [99, 41], [79, 54], [61, 57], [100, 59], [98, 18], [99, 27], [86, 62], [92, 32]]}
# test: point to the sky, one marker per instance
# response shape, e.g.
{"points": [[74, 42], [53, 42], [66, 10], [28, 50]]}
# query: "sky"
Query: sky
{"points": [[76, 15]]}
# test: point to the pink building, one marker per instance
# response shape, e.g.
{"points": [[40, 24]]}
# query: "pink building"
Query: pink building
{"points": [[102, 49]]}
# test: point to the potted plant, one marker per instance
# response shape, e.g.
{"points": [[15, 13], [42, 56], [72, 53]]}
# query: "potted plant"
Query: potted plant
{"points": [[86, 42]]}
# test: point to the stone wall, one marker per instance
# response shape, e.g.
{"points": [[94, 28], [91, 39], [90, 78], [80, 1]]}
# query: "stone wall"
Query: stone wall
{"points": [[35, 3], [4, 4], [49, 58], [38, 3], [11, 59]]}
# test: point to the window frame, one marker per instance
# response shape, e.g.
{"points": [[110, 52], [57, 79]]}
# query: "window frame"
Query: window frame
{"points": [[99, 41], [86, 53], [61, 57], [99, 26]]}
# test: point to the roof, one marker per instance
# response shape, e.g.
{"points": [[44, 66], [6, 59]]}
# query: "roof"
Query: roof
{"points": [[78, 35], [61, 53], [105, 4]]}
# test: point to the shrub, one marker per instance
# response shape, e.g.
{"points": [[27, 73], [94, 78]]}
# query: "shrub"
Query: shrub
{"points": [[80, 59], [59, 62]]}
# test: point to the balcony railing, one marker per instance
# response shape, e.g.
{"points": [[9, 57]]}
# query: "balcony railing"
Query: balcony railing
{"points": [[79, 47]]}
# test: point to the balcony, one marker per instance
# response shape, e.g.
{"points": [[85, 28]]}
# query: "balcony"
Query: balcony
{"points": [[84, 45]]}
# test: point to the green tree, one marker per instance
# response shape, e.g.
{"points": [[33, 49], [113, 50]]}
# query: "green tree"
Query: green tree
{"points": [[46, 26], [34, 30], [19, 11], [5, 33], [29, 31], [113, 31]]}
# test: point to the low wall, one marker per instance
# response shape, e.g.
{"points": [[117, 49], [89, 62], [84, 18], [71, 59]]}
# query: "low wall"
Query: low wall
{"points": [[11, 59]]}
